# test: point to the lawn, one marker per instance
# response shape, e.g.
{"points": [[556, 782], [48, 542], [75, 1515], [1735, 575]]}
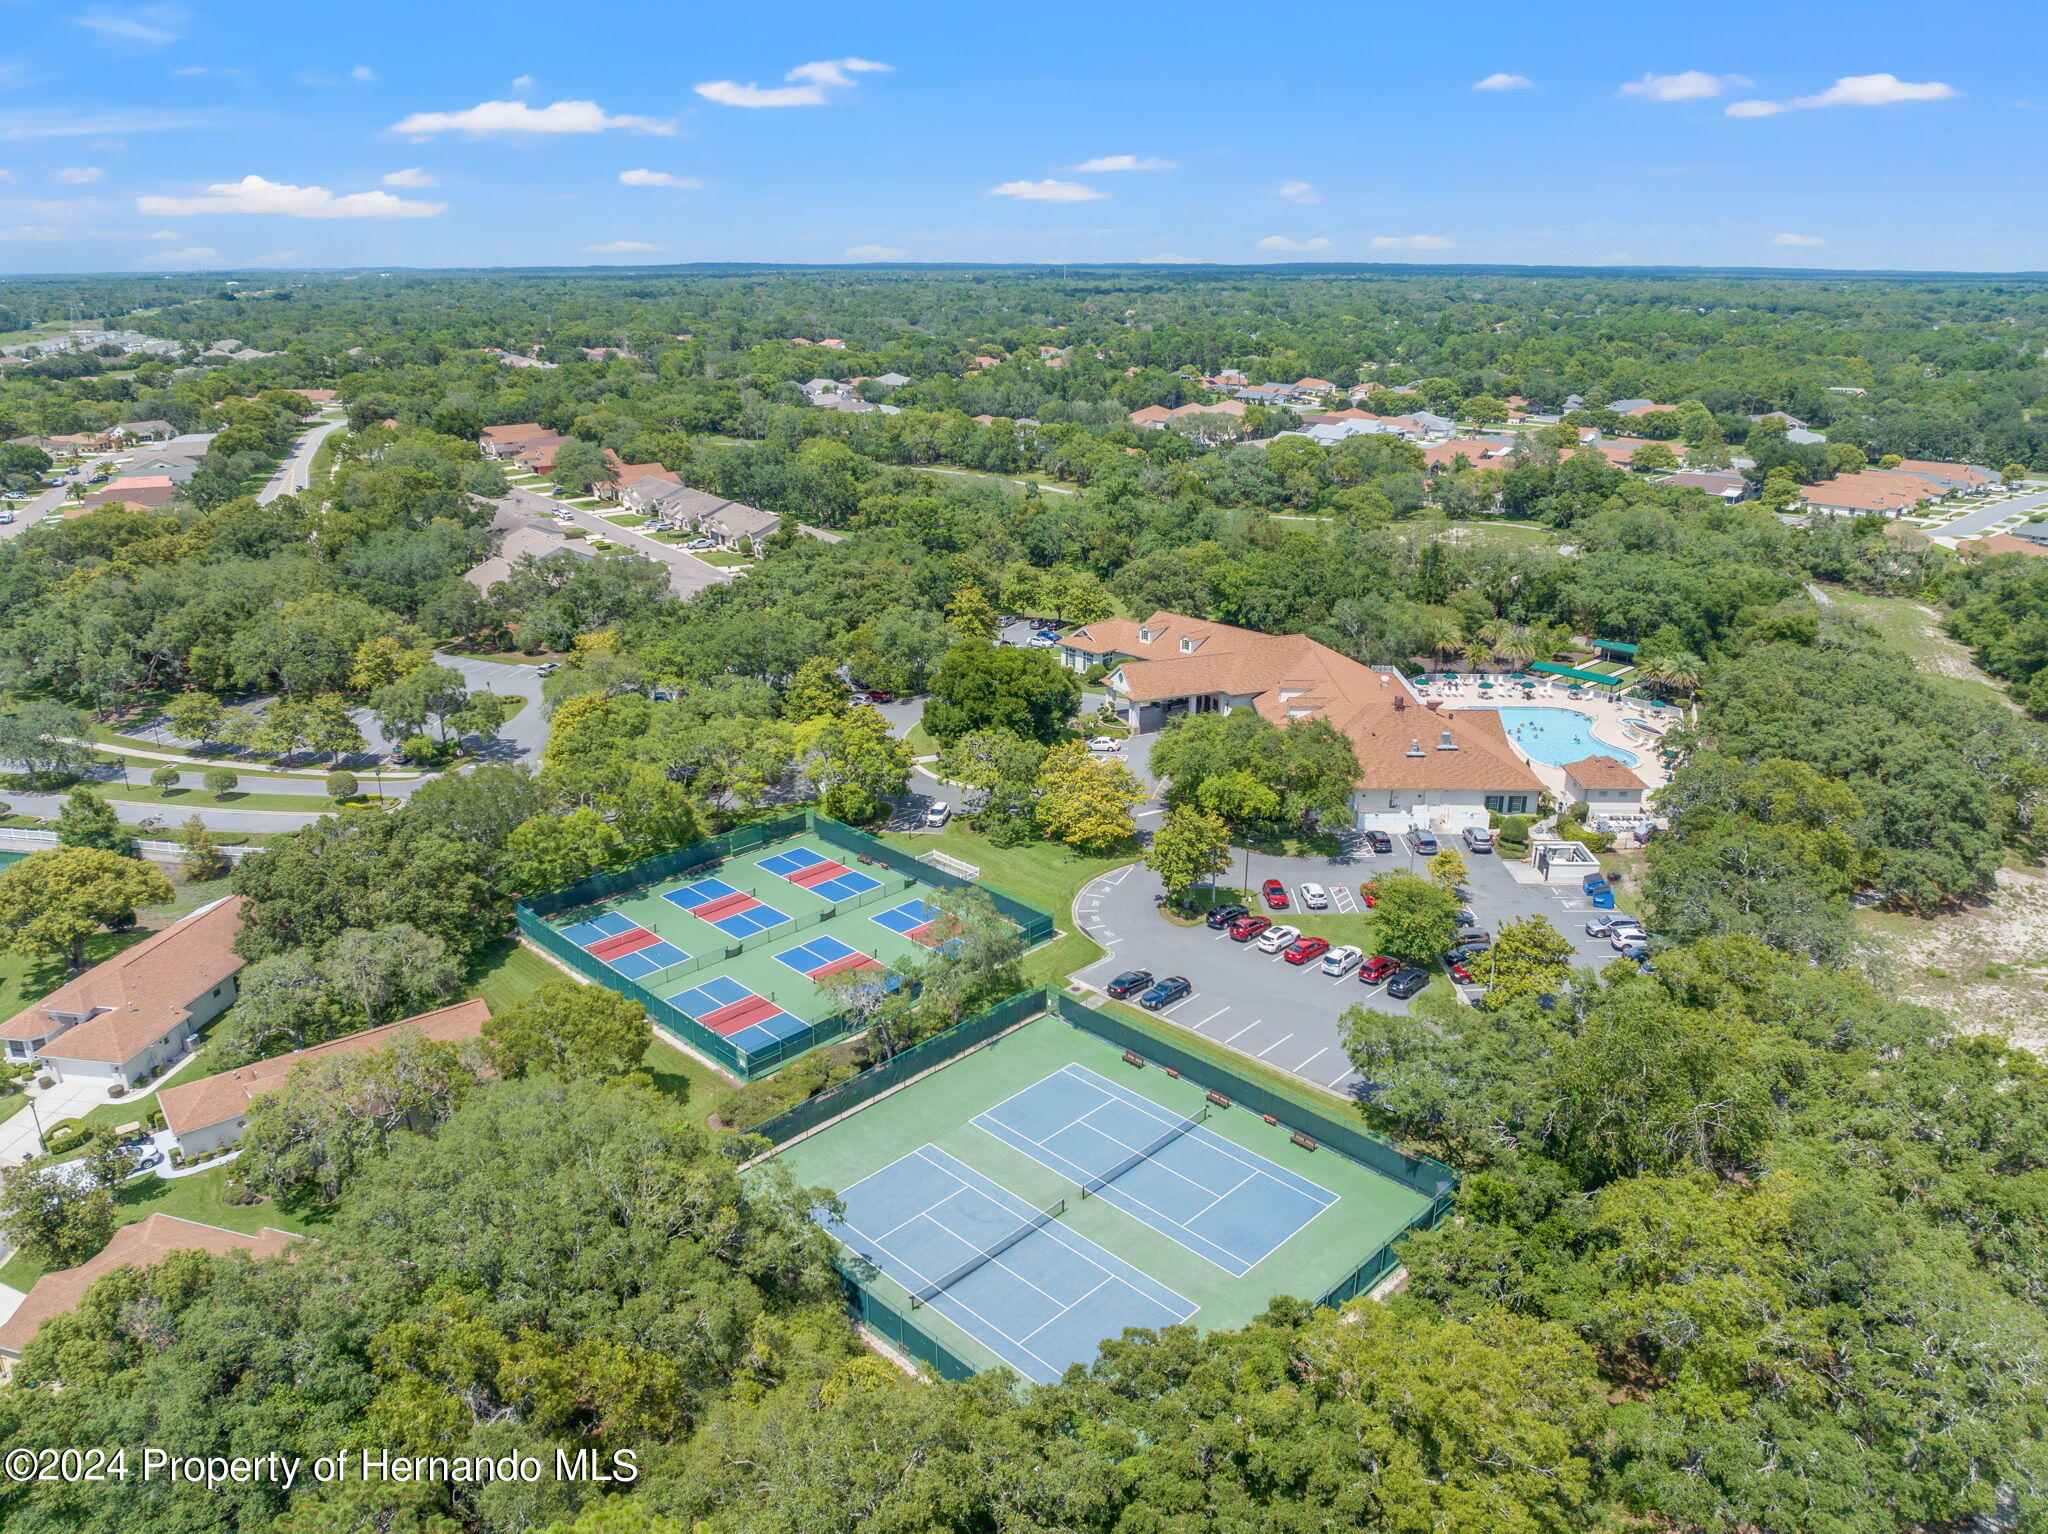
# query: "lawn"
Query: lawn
{"points": [[1914, 629], [197, 797], [196, 1198], [725, 559]]}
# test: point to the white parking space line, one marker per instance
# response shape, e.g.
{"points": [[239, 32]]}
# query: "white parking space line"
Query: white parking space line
{"points": [[1205, 1022], [1247, 1028], [1335, 1079], [1311, 1060], [1168, 1011], [1272, 1046], [1120, 875]]}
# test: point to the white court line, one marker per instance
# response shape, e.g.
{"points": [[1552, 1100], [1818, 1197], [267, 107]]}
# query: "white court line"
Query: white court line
{"points": [[1247, 1028], [1272, 1046]]}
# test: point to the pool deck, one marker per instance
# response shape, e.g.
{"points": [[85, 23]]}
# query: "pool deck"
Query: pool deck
{"points": [[1605, 713]]}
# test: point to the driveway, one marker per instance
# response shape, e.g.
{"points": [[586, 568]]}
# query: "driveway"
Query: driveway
{"points": [[296, 471], [687, 574], [1257, 1003]]}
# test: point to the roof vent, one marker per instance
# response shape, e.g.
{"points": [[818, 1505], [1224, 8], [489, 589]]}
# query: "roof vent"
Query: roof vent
{"points": [[1445, 743], [1415, 749]]}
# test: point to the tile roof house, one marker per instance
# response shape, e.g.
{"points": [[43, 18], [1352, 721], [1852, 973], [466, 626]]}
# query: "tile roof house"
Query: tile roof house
{"points": [[1970, 478], [316, 396], [2003, 543], [503, 441], [1416, 766], [1602, 781], [209, 1115], [133, 1013], [1729, 487], [1869, 490], [1328, 433], [143, 431], [731, 523], [1158, 417], [149, 490], [893, 380], [141, 1245], [1474, 450], [519, 543], [645, 492]]}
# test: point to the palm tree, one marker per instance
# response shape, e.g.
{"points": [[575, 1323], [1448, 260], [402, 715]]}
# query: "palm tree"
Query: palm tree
{"points": [[1477, 654], [1443, 634], [1519, 646], [1683, 672]]}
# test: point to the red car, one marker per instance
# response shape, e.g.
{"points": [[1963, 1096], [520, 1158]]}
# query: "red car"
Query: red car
{"points": [[881, 697], [1302, 950], [1373, 971], [1245, 928], [1275, 893]]}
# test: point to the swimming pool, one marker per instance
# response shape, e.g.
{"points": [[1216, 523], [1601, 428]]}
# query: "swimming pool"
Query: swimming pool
{"points": [[1558, 735]]}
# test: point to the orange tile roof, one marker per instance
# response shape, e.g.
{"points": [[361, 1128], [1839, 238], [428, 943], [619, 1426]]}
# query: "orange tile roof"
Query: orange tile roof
{"points": [[1601, 772], [141, 1245], [516, 433], [2003, 543], [214, 1099], [1870, 490], [1437, 454], [1290, 676], [1962, 473], [142, 992]]}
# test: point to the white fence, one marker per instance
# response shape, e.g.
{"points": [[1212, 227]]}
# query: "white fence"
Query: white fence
{"points": [[24, 838]]}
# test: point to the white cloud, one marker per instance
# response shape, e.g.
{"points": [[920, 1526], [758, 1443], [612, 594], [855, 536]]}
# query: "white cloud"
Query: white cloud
{"points": [[252, 194], [875, 253], [362, 74], [1686, 85], [79, 175], [620, 247], [38, 232], [1879, 90], [6, 175], [1504, 83], [153, 24], [523, 83], [412, 175], [55, 122], [1281, 242], [518, 117], [1126, 162], [1410, 242], [1797, 239], [1167, 258], [163, 234], [1298, 191], [191, 253], [659, 178], [1047, 191], [804, 85]]}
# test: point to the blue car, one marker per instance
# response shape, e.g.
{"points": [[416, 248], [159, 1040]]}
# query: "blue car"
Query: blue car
{"points": [[1165, 993]]}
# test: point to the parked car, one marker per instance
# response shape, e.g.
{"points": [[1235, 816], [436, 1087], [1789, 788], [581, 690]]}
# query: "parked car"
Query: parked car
{"points": [[1474, 937], [1406, 983], [1224, 915], [1341, 961], [1314, 898], [1273, 939], [936, 817], [1633, 948], [1166, 993], [1604, 926], [1424, 842], [6, 517], [1129, 981], [1375, 970], [1245, 928], [1305, 949], [1105, 743], [15, 495], [1044, 640], [1379, 841], [1622, 939], [1454, 961], [1478, 839], [881, 697], [1275, 895], [548, 667]]}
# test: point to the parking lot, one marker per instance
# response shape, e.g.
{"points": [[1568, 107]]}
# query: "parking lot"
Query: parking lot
{"points": [[1262, 1006]]}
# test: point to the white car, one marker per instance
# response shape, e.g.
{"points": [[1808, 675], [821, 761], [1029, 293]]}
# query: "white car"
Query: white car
{"points": [[1044, 641], [1105, 743], [1341, 961], [1273, 939], [1314, 898], [701, 543]]}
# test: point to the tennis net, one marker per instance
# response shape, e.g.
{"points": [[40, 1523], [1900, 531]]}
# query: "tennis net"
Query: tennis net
{"points": [[1095, 1185], [1038, 1221]]}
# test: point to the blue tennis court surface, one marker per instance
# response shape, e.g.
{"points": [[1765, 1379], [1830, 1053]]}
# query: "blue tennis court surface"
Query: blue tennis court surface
{"points": [[924, 1219], [852, 882], [703, 1000], [1222, 1202], [729, 1008], [597, 929], [755, 918], [652, 960], [786, 863], [907, 917], [703, 892], [816, 954], [841, 886]]}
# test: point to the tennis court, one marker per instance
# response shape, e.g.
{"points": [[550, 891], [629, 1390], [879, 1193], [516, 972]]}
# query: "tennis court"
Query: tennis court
{"points": [[1035, 1197], [1042, 1296], [1227, 1205], [748, 946]]}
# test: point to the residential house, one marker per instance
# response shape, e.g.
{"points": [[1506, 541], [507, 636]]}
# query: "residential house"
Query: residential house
{"points": [[1779, 415], [893, 380], [645, 492], [503, 441], [1432, 425], [1158, 417], [178, 470], [1476, 451], [623, 474], [1869, 490], [518, 544], [1634, 406], [150, 490], [139, 1011], [2003, 543], [1268, 394], [1603, 783], [141, 1245], [317, 396], [833, 343], [1417, 766], [1330, 433], [143, 431], [1728, 487], [735, 526], [1314, 385], [1846, 389], [1953, 478], [602, 353], [1801, 437], [208, 1115]]}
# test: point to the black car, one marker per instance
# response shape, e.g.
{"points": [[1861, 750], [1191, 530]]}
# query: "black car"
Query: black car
{"points": [[1379, 841], [1165, 993], [1130, 980], [1224, 915], [1406, 983]]}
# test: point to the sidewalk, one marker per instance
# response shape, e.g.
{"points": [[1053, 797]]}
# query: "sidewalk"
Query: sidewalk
{"points": [[232, 764]]}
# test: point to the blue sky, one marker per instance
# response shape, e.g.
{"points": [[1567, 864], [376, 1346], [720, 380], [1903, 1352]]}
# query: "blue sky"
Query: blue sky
{"points": [[193, 135]]}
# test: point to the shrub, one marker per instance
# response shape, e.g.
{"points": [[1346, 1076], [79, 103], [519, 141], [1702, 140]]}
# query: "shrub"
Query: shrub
{"points": [[341, 785], [220, 782], [165, 777], [1513, 837], [425, 751], [1593, 841]]}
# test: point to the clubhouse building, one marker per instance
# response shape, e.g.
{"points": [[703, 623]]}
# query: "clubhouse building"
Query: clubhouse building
{"points": [[1417, 767]]}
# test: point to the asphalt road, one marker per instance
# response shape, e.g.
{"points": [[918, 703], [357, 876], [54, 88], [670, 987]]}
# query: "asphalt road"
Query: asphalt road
{"points": [[292, 475], [1257, 1003], [687, 574], [1976, 521], [28, 513]]}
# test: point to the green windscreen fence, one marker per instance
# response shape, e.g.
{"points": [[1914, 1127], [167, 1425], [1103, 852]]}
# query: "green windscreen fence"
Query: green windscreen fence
{"points": [[1420, 1174], [1598, 678], [747, 1064]]}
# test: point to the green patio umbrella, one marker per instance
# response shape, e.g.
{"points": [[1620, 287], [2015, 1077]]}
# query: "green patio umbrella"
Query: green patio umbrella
{"points": [[1486, 687]]}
